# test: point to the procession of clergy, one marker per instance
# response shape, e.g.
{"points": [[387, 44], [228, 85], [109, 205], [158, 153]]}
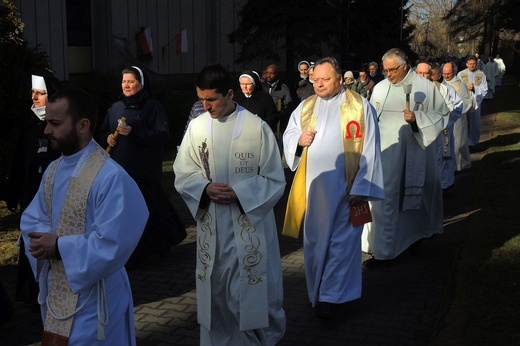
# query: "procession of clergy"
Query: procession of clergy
{"points": [[369, 177]]}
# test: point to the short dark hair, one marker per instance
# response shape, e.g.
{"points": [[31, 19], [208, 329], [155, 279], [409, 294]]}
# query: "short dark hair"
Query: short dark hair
{"points": [[333, 62], [214, 76], [81, 105], [471, 57], [435, 67]]}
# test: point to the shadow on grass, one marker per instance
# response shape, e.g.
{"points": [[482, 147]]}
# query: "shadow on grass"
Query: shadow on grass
{"points": [[487, 290], [498, 141]]}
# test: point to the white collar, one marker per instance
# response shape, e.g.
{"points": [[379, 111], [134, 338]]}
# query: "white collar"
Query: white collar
{"points": [[39, 112]]}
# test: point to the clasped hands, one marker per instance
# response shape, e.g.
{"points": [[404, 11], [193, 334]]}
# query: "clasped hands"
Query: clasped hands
{"points": [[42, 245], [221, 193]]}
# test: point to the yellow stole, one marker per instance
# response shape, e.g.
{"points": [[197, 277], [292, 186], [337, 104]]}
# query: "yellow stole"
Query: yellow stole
{"points": [[61, 301], [353, 136]]}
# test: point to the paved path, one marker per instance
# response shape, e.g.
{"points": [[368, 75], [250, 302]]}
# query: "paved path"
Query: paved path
{"points": [[403, 301]]}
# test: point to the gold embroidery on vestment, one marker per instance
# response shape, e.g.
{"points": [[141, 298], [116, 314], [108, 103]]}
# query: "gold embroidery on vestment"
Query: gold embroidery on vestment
{"points": [[252, 247], [61, 301], [203, 243]]}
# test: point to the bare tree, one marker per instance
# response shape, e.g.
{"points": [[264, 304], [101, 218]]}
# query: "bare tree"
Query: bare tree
{"points": [[484, 22], [431, 36]]}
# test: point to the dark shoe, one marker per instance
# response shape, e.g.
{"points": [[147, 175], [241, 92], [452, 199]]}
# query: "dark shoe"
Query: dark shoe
{"points": [[448, 192], [131, 264], [326, 311], [35, 308], [416, 248], [371, 263]]}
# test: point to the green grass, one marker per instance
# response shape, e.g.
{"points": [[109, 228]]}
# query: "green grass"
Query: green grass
{"points": [[486, 306], [9, 232]]}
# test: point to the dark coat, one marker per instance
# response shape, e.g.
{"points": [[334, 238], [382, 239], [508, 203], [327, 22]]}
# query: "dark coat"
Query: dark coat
{"points": [[31, 157], [141, 155], [141, 152], [261, 104], [357, 87], [378, 77], [304, 89]]}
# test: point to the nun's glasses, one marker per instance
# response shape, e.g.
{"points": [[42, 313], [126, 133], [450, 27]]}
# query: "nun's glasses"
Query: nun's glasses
{"points": [[37, 93]]}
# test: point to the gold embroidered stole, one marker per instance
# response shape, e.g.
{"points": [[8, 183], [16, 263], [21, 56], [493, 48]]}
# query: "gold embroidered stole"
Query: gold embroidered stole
{"points": [[353, 134], [61, 301], [478, 77], [251, 245], [456, 85]]}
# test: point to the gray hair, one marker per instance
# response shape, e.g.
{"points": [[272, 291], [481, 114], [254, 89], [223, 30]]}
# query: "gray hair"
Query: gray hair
{"points": [[375, 64], [426, 63], [396, 53]]}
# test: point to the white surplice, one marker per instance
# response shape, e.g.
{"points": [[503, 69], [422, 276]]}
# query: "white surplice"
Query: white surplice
{"points": [[332, 246], [501, 70], [478, 94], [446, 140], [115, 219], [412, 209], [492, 74], [239, 274], [460, 128]]}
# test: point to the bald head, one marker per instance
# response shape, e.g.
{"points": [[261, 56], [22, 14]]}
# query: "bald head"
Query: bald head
{"points": [[423, 69], [271, 73], [448, 71]]}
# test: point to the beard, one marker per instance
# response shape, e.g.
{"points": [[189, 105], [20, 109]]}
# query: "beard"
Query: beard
{"points": [[68, 144]]}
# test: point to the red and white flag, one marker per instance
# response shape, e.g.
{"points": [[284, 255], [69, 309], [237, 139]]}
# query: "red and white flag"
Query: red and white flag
{"points": [[181, 42]]}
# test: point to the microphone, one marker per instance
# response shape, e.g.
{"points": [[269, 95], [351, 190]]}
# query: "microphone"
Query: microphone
{"points": [[407, 90]]}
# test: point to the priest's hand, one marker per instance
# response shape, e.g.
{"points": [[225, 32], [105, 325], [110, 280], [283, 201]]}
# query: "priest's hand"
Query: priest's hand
{"points": [[409, 116], [221, 193], [306, 138], [353, 200], [124, 130], [42, 245]]}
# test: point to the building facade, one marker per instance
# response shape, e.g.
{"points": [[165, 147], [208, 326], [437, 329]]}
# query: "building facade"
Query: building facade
{"points": [[168, 37]]}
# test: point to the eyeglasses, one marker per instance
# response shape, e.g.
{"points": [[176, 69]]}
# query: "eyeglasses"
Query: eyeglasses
{"points": [[246, 84], [424, 74], [37, 93], [392, 70]]}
